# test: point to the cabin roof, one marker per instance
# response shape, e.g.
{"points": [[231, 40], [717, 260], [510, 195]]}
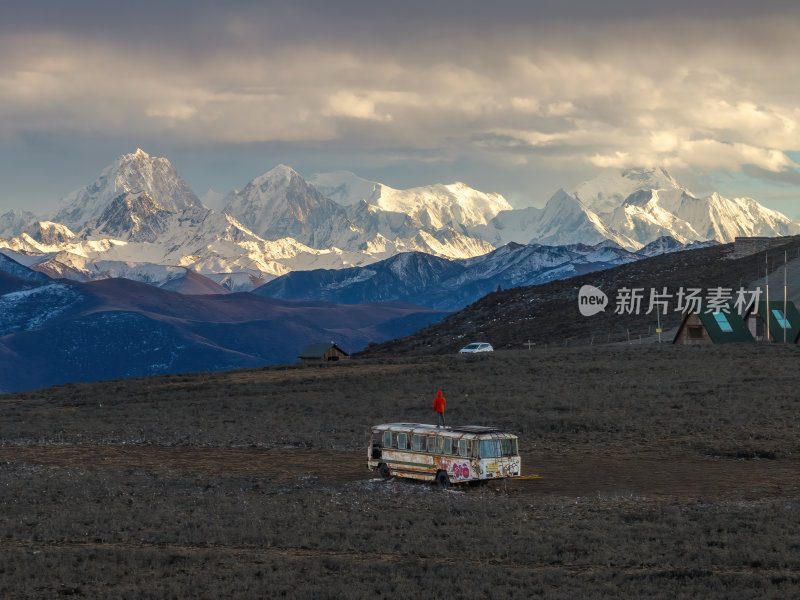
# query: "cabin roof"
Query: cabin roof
{"points": [[792, 318], [319, 350], [735, 329]]}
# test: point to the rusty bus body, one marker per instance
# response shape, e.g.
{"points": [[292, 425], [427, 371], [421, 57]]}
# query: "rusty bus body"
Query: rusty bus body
{"points": [[445, 455]]}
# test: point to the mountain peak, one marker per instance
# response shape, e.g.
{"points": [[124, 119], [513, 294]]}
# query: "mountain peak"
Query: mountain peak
{"points": [[134, 217], [347, 188], [52, 233], [16, 221], [278, 177], [651, 178], [281, 170], [130, 173], [608, 190], [280, 203]]}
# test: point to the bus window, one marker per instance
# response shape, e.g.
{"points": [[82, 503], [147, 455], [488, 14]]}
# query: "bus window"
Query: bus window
{"points": [[435, 444], [418, 442], [387, 439], [448, 445], [490, 449], [464, 447], [509, 447], [402, 441]]}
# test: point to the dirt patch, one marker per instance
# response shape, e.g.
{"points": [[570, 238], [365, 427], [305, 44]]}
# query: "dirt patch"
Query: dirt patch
{"points": [[675, 476], [571, 475]]}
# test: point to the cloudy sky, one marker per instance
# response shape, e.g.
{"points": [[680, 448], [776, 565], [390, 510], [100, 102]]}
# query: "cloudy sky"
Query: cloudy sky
{"points": [[512, 97]]}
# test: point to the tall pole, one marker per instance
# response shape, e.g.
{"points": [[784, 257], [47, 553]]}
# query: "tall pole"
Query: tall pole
{"points": [[766, 281], [785, 322]]}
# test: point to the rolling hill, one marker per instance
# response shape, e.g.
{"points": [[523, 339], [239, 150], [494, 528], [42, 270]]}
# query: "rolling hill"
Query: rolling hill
{"points": [[70, 331], [548, 313]]}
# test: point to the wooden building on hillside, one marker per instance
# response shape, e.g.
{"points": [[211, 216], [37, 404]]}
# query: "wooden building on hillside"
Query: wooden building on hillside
{"points": [[758, 317], [316, 354], [746, 245], [712, 328]]}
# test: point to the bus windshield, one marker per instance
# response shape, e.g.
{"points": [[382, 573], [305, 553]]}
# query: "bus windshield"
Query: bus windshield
{"points": [[498, 448], [490, 448]]}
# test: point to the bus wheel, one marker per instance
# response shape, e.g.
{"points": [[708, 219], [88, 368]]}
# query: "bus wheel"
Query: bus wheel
{"points": [[442, 480], [384, 471]]}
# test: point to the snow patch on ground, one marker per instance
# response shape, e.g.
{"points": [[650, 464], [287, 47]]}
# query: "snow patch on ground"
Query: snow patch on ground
{"points": [[32, 309]]}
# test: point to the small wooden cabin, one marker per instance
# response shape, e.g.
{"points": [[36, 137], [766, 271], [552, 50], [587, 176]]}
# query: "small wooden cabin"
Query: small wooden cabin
{"points": [[322, 353], [712, 328]]}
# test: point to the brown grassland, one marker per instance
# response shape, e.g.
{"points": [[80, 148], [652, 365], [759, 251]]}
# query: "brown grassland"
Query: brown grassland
{"points": [[667, 472]]}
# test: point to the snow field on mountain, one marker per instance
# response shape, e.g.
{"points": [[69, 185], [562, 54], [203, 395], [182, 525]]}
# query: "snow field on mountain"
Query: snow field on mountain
{"points": [[140, 212]]}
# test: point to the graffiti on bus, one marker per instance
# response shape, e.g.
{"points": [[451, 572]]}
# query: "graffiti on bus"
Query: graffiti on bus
{"points": [[460, 470]]}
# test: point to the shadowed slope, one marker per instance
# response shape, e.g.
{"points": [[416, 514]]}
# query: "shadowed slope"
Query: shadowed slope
{"points": [[111, 328]]}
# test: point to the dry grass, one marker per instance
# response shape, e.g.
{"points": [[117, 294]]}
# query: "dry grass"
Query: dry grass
{"points": [[669, 473], [716, 400]]}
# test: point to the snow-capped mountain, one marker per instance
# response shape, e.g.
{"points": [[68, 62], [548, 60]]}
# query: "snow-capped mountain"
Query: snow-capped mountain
{"points": [[723, 219], [634, 208], [455, 205], [141, 213], [563, 220], [609, 190], [281, 204], [371, 217], [131, 217], [346, 188], [207, 242], [131, 173], [50, 233], [567, 220], [15, 222], [656, 206], [446, 284]]}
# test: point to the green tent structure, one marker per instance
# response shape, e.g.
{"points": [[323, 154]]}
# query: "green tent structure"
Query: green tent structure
{"points": [[720, 327], [768, 323]]}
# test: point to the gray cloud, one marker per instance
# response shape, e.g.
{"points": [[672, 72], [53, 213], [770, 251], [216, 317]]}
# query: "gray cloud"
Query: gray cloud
{"points": [[513, 92]]}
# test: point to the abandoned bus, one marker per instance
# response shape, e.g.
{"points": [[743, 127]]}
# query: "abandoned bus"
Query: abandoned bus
{"points": [[442, 454]]}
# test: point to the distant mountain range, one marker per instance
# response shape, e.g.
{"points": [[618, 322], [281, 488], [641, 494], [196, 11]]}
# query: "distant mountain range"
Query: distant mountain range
{"points": [[52, 332], [452, 284], [141, 220], [634, 208], [550, 313], [132, 275]]}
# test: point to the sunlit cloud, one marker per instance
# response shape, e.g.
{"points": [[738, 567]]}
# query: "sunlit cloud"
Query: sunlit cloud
{"points": [[713, 154], [692, 94]]}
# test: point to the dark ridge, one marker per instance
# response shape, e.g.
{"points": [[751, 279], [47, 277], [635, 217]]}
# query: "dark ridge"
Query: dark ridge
{"points": [[548, 314]]}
